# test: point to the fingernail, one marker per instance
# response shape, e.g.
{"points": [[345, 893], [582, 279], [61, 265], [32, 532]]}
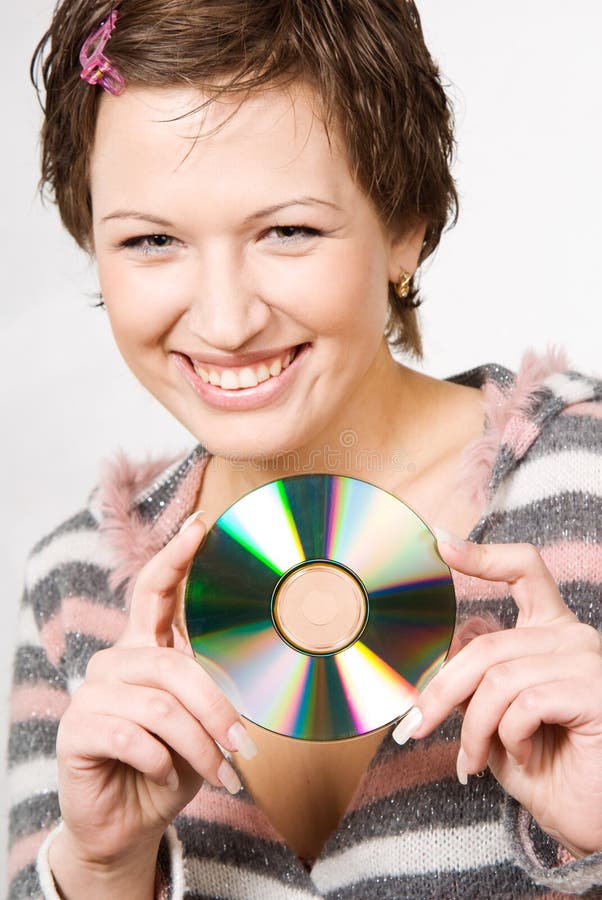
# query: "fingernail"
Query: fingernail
{"points": [[195, 515], [461, 769], [446, 537], [229, 778], [172, 781], [242, 741], [408, 725]]}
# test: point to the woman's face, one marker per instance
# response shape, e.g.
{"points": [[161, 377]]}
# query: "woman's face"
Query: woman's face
{"points": [[244, 273]]}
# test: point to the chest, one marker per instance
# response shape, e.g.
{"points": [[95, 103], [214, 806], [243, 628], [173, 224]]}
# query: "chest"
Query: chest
{"points": [[305, 788]]}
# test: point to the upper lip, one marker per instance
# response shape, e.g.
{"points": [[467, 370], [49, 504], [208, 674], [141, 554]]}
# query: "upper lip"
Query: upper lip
{"points": [[239, 359]]}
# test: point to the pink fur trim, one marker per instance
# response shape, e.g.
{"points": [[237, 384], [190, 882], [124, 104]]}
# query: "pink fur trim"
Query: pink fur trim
{"points": [[133, 541], [500, 408]]}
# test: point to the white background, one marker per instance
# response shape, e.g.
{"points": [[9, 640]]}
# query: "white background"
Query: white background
{"points": [[522, 268]]}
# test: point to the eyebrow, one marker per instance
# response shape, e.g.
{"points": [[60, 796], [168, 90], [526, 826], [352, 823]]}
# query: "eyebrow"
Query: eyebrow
{"points": [[258, 214]]}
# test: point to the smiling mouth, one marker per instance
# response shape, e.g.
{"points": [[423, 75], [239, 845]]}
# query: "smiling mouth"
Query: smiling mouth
{"points": [[239, 378]]}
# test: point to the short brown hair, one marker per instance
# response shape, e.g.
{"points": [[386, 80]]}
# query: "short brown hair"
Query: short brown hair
{"points": [[366, 60]]}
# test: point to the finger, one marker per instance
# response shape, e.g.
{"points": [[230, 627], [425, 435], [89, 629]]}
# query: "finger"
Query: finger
{"points": [[154, 598], [459, 678], [499, 688], [569, 702], [95, 738], [161, 715], [520, 565], [180, 675]]}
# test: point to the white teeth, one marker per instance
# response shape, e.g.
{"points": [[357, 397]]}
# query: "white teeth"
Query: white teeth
{"points": [[250, 376], [230, 380], [247, 378], [262, 372], [276, 367]]}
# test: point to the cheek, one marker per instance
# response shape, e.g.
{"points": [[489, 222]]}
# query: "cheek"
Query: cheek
{"points": [[352, 298], [139, 308]]}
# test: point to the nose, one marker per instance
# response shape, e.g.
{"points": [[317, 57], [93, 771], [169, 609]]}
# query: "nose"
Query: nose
{"points": [[226, 309]]}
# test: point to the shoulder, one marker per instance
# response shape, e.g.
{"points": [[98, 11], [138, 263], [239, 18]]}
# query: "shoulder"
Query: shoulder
{"points": [[551, 443], [139, 507], [84, 564], [570, 418], [549, 479], [78, 577], [543, 410], [546, 482]]}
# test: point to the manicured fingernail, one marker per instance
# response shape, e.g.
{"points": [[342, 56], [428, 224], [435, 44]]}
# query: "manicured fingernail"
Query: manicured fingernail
{"points": [[195, 515], [461, 769], [446, 537], [172, 781], [229, 778], [242, 741], [408, 725]]}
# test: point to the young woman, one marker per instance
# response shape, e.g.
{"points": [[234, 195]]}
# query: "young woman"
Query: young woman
{"points": [[259, 184]]}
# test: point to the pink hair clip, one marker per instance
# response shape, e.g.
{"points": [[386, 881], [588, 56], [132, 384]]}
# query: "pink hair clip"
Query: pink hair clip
{"points": [[96, 68]]}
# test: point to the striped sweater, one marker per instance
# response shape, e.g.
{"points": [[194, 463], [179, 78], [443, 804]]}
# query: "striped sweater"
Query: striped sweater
{"points": [[411, 830]]}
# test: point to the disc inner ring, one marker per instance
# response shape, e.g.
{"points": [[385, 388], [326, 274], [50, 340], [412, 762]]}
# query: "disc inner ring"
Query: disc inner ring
{"points": [[319, 607]]}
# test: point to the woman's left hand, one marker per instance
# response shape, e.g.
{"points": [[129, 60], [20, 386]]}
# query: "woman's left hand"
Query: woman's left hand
{"points": [[531, 695]]}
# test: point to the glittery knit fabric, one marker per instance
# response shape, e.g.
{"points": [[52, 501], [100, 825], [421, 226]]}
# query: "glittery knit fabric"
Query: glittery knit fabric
{"points": [[411, 831]]}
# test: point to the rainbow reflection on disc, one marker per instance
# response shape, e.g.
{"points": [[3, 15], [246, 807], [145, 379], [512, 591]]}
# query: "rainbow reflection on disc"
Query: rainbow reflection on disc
{"points": [[320, 605]]}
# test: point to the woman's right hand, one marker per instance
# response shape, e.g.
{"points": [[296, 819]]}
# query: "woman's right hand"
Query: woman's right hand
{"points": [[141, 733]]}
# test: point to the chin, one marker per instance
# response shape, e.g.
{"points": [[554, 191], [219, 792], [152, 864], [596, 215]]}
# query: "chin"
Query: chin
{"points": [[264, 455]]}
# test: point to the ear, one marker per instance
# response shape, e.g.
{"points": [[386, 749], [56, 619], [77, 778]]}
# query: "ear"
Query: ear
{"points": [[405, 249]]}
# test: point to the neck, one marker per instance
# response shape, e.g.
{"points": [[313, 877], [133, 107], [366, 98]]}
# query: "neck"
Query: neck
{"points": [[375, 437]]}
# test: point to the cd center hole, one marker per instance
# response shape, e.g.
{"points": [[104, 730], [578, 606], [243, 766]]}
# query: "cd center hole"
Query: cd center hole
{"points": [[319, 607]]}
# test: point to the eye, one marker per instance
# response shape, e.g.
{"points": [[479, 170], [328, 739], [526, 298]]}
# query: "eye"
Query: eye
{"points": [[292, 234], [150, 244]]}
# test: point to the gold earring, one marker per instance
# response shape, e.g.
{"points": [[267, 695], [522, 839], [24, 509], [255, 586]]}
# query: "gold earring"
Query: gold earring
{"points": [[402, 285]]}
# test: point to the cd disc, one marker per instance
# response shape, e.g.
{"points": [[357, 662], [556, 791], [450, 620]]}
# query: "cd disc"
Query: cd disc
{"points": [[320, 605]]}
